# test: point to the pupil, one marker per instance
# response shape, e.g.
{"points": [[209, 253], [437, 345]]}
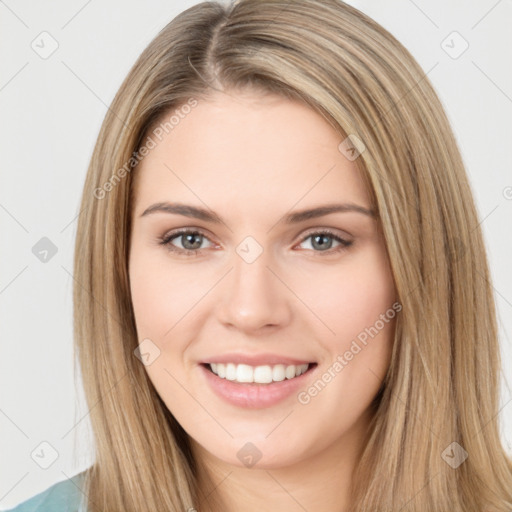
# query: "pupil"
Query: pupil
{"points": [[190, 237], [322, 237]]}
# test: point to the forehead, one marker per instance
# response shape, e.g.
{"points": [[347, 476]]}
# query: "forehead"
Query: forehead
{"points": [[247, 148]]}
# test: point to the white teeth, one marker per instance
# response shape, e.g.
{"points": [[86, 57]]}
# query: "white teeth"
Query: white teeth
{"points": [[278, 372], [263, 374], [244, 373], [259, 374], [290, 372], [230, 371]]}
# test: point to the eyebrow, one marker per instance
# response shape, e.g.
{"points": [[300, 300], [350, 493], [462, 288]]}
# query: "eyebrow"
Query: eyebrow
{"points": [[291, 218]]}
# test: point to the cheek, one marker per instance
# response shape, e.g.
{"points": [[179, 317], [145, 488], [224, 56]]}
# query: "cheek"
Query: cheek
{"points": [[161, 299], [149, 296], [161, 295], [356, 306], [352, 297]]}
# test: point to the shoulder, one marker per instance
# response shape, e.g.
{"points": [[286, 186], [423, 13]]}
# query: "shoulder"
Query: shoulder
{"points": [[65, 496]]}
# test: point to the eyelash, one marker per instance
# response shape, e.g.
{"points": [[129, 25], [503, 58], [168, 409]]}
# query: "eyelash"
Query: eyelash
{"points": [[166, 241]]}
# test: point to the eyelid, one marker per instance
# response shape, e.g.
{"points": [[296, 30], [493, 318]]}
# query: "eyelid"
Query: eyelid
{"points": [[332, 231]]}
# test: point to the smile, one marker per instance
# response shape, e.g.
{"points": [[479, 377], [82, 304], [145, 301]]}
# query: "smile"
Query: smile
{"points": [[264, 374], [256, 388]]}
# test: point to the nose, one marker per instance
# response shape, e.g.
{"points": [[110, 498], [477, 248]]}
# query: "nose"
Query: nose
{"points": [[254, 298]]}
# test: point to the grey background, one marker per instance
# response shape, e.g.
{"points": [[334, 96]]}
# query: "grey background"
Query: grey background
{"points": [[51, 111]]}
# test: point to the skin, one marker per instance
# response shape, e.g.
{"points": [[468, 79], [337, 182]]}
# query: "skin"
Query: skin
{"points": [[252, 159]]}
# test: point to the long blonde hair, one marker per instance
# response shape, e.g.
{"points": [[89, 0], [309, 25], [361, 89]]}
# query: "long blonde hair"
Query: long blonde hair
{"points": [[442, 386]]}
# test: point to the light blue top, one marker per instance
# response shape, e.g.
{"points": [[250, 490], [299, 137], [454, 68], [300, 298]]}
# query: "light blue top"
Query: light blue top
{"points": [[65, 496]]}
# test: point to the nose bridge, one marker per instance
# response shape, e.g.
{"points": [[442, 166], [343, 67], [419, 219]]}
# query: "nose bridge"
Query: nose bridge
{"points": [[255, 297]]}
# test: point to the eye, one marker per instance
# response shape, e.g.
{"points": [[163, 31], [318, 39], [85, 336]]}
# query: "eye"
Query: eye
{"points": [[191, 241], [320, 240]]}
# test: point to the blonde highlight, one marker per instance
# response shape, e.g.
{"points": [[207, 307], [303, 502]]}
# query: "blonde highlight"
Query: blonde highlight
{"points": [[443, 382]]}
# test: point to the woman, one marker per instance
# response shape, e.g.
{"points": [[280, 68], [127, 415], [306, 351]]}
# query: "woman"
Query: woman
{"points": [[283, 297]]}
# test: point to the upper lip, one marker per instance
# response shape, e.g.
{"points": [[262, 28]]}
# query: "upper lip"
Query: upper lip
{"points": [[255, 359]]}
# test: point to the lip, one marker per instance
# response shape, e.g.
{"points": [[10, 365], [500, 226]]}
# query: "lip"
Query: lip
{"points": [[253, 395], [255, 359]]}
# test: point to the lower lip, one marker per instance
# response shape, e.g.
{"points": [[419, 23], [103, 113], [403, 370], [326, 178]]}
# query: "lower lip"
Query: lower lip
{"points": [[252, 395]]}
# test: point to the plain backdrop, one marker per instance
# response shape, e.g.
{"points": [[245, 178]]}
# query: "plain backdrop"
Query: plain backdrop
{"points": [[51, 109]]}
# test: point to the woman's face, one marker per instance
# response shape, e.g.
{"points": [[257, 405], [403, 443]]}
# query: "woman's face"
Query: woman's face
{"points": [[267, 286]]}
